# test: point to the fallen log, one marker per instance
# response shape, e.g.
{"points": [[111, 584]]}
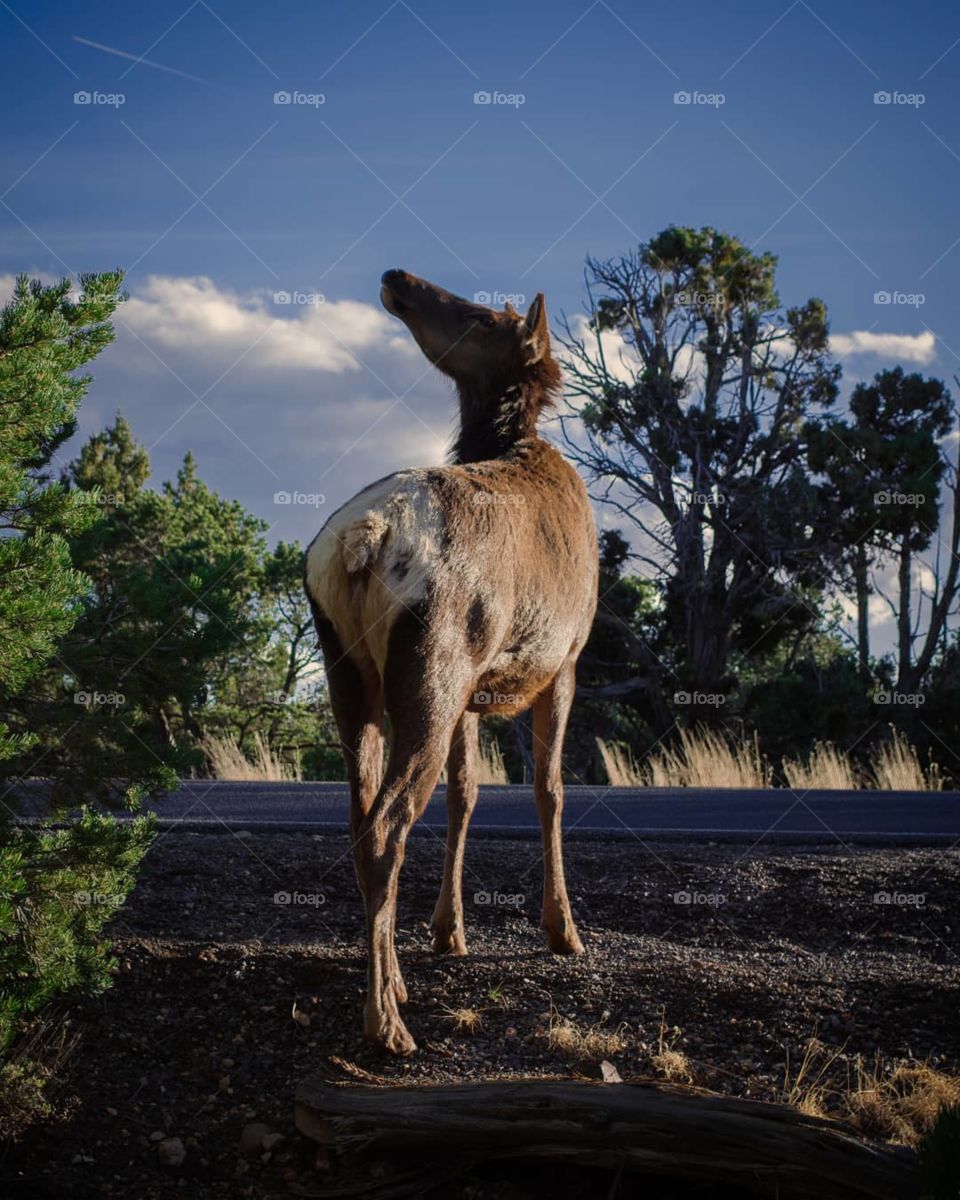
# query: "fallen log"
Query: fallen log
{"points": [[767, 1150]]}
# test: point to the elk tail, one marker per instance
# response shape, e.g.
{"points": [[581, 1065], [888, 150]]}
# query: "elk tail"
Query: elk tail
{"points": [[362, 542]]}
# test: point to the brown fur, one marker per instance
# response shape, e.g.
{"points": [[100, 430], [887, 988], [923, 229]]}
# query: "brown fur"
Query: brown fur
{"points": [[448, 593]]}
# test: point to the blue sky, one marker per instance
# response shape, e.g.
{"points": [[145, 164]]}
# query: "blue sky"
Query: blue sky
{"points": [[215, 197]]}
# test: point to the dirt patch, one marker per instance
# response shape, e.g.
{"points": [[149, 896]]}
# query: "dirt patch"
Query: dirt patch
{"points": [[241, 970]]}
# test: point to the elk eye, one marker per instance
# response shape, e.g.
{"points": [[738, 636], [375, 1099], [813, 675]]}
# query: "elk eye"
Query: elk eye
{"points": [[485, 321]]}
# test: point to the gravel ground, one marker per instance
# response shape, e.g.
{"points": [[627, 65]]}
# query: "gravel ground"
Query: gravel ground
{"points": [[241, 971]]}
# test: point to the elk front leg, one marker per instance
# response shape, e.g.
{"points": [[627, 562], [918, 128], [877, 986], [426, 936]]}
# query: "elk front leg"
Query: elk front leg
{"points": [[447, 923], [550, 712]]}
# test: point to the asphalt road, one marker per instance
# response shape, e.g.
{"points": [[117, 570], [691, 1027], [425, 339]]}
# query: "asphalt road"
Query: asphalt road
{"points": [[916, 817]]}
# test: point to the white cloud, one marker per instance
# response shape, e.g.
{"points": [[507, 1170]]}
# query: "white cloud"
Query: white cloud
{"points": [[908, 347], [621, 358], [195, 317], [269, 397]]}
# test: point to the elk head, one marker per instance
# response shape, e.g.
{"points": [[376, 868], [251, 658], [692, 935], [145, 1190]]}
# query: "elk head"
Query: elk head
{"points": [[500, 361]]}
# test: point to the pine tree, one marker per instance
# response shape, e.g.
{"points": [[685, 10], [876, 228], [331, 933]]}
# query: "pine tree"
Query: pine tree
{"points": [[57, 887]]}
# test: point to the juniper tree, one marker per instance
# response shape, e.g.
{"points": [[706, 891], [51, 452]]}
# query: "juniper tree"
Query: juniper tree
{"points": [[690, 385], [883, 469]]}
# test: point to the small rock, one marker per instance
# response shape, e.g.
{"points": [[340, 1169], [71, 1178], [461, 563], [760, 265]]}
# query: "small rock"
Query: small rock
{"points": [[251, 1140], [157, 1136], [171, 1152]]}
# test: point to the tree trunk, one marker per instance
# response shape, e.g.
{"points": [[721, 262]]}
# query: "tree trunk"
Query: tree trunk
{"points": [[685, 1135], [522, 738], [860, 575], [903, 617]]}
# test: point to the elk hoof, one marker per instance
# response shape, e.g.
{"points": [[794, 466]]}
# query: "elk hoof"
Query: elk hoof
{"points": [[393, 1037], [449, 941], [563, 942]]}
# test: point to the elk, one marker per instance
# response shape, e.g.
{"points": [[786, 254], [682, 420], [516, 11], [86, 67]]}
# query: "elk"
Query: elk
{"points": [[442, 594]]}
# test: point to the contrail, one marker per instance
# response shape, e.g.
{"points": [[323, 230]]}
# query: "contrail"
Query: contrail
{"points": [[145, 61]]}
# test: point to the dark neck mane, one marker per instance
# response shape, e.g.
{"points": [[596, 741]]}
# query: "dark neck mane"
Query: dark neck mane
{"points": [[494, 417]]}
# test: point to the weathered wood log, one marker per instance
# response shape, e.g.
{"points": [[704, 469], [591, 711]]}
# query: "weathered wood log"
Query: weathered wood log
{"points": [[766, 1150]]}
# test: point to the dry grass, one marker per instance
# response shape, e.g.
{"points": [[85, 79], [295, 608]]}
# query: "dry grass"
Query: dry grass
{"points": [[826, 767], [898, 1101], [670, 1062], [466, 1020], [228, 761], [897, 767], [700, 758], [808, 1089], [578, 1041], [900, 1104], [704, 758], [490, 764], [618, 762]]}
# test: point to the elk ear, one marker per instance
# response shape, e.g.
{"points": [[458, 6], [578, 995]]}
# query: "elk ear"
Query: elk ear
{"points": [[536, 338]]}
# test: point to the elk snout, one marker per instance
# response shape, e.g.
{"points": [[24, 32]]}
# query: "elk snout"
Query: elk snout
{"points": [[395, 287]]}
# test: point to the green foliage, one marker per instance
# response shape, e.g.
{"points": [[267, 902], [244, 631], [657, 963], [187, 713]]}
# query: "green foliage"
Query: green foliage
{"points": [[58, 888], [940, 1158], [45, 338], [271, 685], [173, 577], [618, 685], [889, 446], [819, 695], [112, 465], [23, 1099]]}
